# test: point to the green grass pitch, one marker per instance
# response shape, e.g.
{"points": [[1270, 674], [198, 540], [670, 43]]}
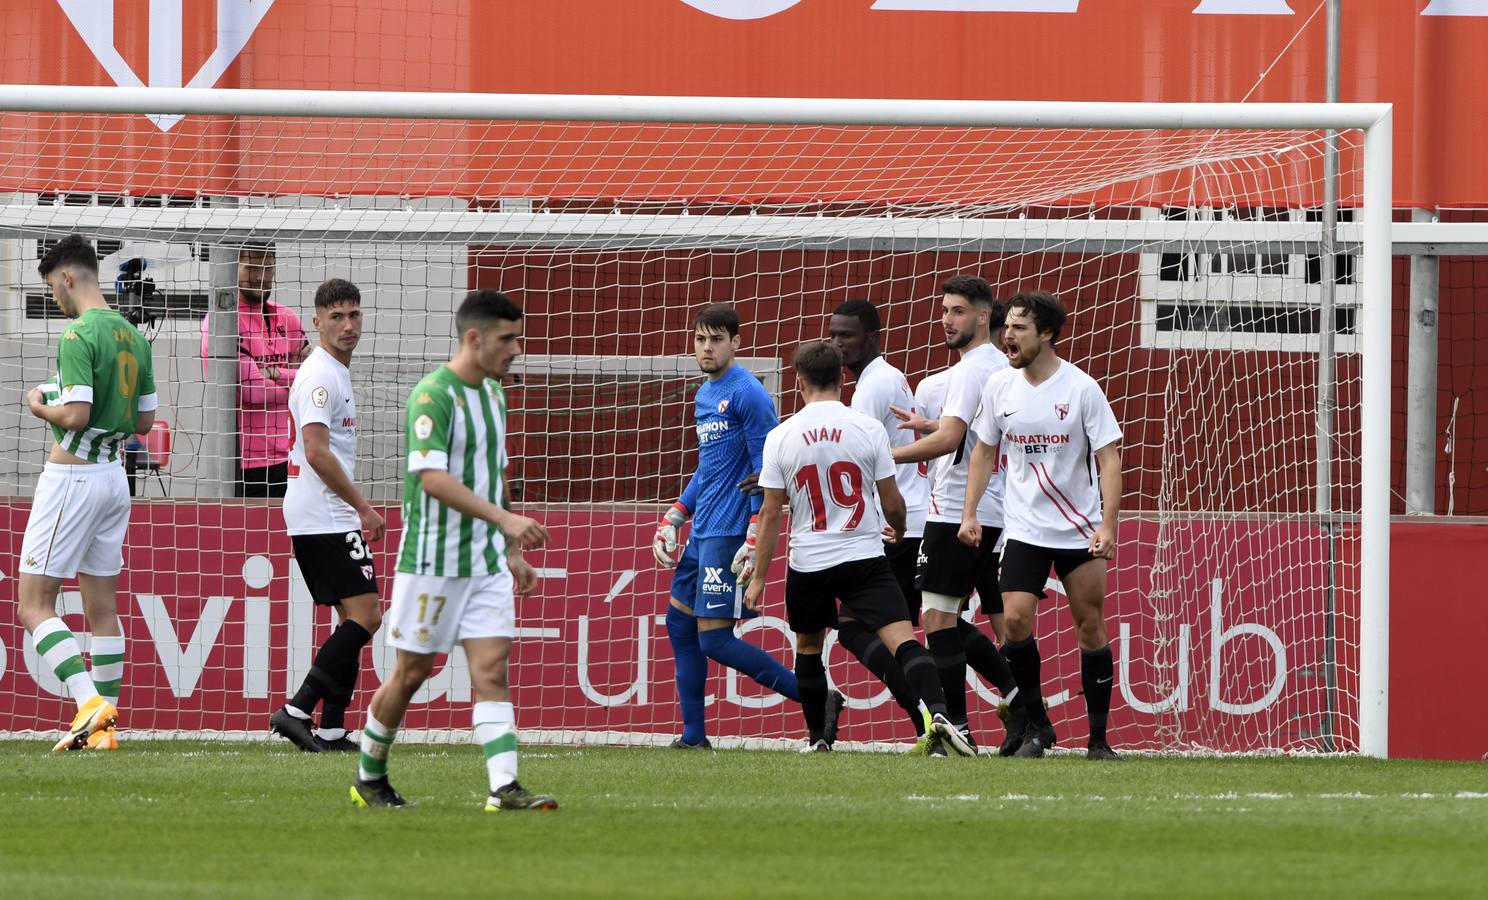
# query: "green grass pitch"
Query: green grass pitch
{"points": [[171, 819]]}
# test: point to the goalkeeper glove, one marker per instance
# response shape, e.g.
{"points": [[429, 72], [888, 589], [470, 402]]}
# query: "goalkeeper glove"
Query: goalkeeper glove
{"points": [[744, 557], [666, 543]]}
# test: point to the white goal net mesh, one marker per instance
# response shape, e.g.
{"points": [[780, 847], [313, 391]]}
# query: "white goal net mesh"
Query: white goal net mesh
{"points": [[1190, 262]]}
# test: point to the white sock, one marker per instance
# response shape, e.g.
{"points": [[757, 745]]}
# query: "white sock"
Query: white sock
{"points": [[106, 666], [377, 740], [496, 733], [59, 649], [297, 712], [330, 734]]}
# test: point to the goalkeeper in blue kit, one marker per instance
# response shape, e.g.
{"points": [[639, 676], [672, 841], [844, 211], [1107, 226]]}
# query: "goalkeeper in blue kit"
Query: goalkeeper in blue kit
{"points": [[733, 412]]}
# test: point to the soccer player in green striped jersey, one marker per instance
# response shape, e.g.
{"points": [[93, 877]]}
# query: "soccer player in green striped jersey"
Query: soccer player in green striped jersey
{"points": [[460, 561], [105, 393]]}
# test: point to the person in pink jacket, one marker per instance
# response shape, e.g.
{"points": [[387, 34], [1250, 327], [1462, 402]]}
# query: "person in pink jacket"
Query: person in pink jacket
{"points": [[271, 344]]}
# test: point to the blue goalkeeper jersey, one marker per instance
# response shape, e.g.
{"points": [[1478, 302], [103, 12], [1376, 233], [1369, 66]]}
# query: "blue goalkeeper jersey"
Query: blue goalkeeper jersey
{"points": [[733, 415]]}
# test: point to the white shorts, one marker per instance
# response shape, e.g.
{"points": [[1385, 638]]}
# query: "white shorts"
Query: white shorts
{"points": [[429, 613], [78, 519]]}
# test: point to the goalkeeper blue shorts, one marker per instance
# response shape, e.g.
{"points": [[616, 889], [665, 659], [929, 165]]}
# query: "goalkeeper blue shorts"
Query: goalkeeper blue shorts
{"points": [[704, 581]]}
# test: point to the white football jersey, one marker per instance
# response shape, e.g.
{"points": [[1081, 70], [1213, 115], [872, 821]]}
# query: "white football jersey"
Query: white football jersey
{"points": [[321, 393], [929, 400], [962, 399], [879, 387], [829, 460], [1049, 436]]}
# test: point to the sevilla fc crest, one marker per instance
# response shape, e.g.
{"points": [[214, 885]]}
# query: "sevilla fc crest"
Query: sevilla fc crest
{"points": [[722, 406], [1061, 410], [235, 21]]}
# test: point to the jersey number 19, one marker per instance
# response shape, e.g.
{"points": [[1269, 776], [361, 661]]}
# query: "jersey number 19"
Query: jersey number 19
{"points": [[845, 482]]}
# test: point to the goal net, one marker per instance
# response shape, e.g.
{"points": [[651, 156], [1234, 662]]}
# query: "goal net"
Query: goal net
{"points": [[1192, 261]]}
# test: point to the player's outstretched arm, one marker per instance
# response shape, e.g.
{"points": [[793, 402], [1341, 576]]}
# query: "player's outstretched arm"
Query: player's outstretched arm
{"points": [[529, 534], [909, 420], [318, 454], [983, 464], [767, 537], [944, 440], [1108, 460]]}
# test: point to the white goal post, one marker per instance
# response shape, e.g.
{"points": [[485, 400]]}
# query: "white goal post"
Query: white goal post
{"points": [[940, 231]]}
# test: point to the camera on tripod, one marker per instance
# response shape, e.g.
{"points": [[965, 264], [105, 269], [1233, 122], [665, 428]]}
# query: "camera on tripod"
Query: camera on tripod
{"points": [[135, 293]]}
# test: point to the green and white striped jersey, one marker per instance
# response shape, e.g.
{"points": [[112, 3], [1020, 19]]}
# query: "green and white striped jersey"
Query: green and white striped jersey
{"points": [[460, 428], [105, 361]]}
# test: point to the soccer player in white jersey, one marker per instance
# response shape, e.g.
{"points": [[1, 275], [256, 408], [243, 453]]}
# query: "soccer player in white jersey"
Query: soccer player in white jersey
{"points": [[105, 393], [948, 570], [836, 466], [929, 397], [879, 389], [461, 554], [1063, 498], [329, 522]]}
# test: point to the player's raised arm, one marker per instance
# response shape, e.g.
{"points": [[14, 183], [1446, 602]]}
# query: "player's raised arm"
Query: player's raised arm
{"points": [[944, 440]]}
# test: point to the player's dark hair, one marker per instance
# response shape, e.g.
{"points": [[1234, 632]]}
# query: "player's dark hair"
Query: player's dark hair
{"points": [[716, 317], [70, 252], [819, 364], [998, 319], [483, 308], [863, 311], [337, 290], [975, 289], [1044, 308]]}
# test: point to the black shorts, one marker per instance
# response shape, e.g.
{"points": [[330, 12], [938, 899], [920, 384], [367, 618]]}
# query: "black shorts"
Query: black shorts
{"points": [[335, 566], [866, 587], [1025, 568], [989, 587], [949, 567], [904, 558]]}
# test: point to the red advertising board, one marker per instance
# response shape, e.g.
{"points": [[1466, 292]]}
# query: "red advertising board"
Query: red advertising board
{"points": [[1219, 638], [1421, 55]]}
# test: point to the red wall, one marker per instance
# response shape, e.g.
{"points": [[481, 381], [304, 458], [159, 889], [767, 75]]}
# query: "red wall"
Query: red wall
{"points": [[1437, 574]]}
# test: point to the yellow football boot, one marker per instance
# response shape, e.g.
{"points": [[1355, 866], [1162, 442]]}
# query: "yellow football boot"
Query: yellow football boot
{"points": [[93, 716]]}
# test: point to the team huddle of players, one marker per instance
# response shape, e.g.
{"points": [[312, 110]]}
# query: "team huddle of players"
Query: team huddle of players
{"points": [[903, 506], [899, 504]]}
